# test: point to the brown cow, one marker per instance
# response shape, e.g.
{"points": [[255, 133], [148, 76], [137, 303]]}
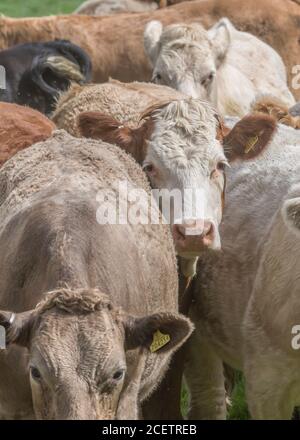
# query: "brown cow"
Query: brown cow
{"points": [[274, 21], [21, 127], [86, 350]]}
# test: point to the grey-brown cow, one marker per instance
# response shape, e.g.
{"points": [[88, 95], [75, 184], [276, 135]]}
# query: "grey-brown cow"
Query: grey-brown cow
{"points": [[103, 290]]}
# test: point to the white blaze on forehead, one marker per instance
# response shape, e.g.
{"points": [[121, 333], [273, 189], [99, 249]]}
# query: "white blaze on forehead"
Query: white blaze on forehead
{"points": [[184, 151], [183, 141]]}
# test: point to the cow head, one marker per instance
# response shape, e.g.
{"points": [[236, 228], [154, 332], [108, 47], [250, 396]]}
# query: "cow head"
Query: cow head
{"points": [[186, 57], [78, 344], [184, 146]]}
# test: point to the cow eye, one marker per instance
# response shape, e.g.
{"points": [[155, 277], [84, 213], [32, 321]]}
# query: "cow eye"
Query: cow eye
{"points": [[35, 373], [221, 166], [148, 168], [207, 80], [157, 77], [118, 375], [210, 77]]}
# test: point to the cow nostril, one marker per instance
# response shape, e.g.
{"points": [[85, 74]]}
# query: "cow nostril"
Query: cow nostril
{"points": [[204, 229], [208, 233]]}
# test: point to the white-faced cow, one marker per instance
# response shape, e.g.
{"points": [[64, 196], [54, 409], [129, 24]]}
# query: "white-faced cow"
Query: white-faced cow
{"points": [[223, 65]]}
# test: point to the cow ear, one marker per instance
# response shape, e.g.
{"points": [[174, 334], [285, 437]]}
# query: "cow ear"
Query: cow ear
{"points": [[249, 137], [97, 125], [220, 37], [161, 332], [152, 34], [17, 327]]}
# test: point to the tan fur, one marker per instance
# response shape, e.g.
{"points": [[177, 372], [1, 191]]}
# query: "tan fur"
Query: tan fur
{"points": [[65, 67], [21, 127], [126, 102], [274, 21], [79, 301], [278, 110], [90, 318]]}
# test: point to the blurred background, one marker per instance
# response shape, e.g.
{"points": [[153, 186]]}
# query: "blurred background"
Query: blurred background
{"points": [[26, 8]]}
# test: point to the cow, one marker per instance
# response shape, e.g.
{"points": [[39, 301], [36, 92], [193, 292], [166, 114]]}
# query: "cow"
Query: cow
{"points": [[179, 143], [246, 304], [124, 58], [21, 127], [36, 72], [223, 65], [90, 330]]}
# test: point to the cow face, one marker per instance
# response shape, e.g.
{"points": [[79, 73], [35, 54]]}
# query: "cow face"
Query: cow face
{"points": [[77, 346], [184, 149], [186, 57]]}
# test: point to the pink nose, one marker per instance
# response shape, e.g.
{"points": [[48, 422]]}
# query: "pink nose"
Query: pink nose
{"points": [[193, 236]]}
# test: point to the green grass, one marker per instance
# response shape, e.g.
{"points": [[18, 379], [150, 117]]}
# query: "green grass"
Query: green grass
{"points": [[238, 409], [35, 8]]}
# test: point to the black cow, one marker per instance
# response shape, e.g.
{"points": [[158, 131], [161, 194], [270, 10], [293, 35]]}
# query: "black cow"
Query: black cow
{"points": [[37, 72]]}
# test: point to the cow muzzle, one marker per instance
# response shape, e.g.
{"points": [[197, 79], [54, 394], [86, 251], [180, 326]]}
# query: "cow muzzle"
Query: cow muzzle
{"points": [[193, 236]]}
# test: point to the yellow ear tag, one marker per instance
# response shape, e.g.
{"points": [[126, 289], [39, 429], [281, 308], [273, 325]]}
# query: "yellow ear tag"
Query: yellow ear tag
{"points": [[251, 144], [159, 341]]}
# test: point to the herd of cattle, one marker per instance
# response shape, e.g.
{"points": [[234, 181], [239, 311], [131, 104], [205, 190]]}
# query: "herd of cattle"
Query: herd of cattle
{"points": [[199, 95]]}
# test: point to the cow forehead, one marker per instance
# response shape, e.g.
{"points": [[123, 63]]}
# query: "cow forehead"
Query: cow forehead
{"points": [[184, 42], [183, 33], [184, 133], [66, 340], [185, 56]]}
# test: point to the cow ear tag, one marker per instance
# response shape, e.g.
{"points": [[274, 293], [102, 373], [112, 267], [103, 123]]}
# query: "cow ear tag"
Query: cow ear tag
{"points": [[251, 144], [159, 341]]}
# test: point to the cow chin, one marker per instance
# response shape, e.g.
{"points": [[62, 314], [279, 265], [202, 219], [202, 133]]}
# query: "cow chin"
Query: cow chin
{"points": [[192, 247]]}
